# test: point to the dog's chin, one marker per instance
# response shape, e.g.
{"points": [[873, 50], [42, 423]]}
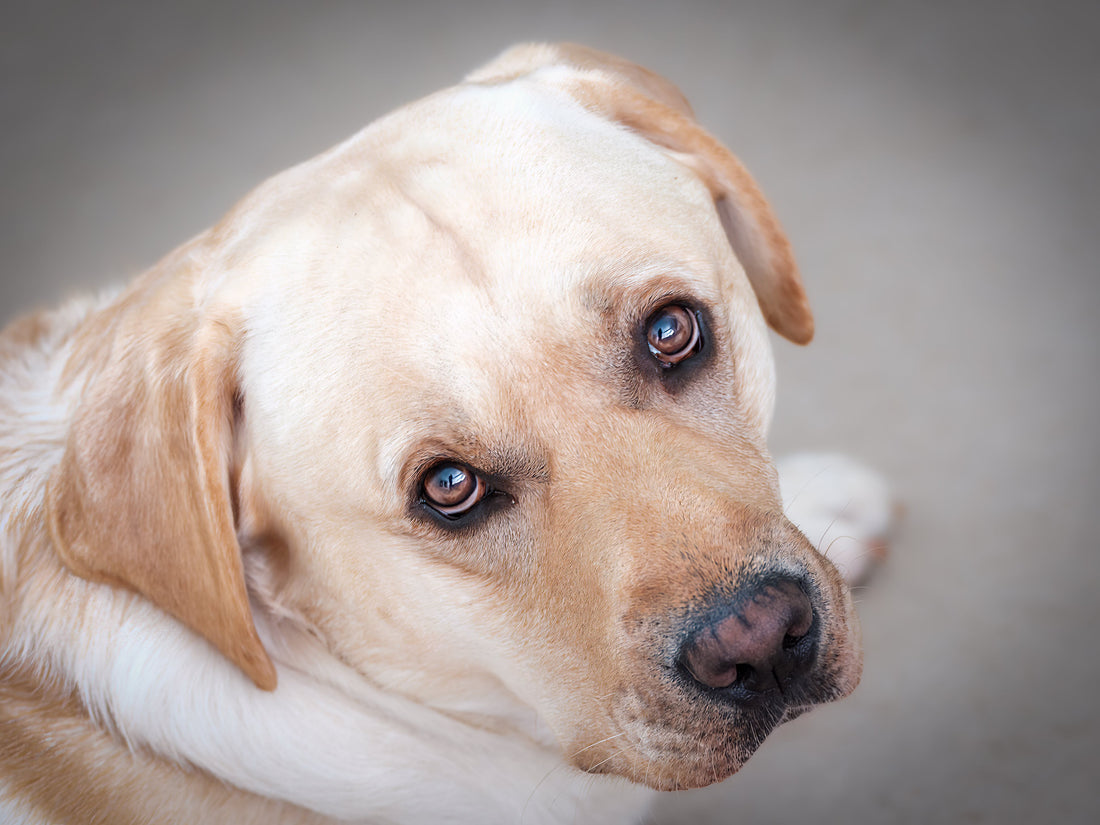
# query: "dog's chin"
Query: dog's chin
{"points": [[679, 769], [794, 712], [704, 748]]}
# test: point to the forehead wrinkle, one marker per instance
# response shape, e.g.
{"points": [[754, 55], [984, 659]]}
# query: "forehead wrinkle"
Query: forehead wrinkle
{"points": [[446, 231]]}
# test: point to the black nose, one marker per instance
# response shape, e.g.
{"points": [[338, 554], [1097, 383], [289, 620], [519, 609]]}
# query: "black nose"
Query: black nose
{"points": [[764, 641]]}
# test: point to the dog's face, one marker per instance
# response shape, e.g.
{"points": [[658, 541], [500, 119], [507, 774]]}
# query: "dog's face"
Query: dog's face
{"points": [[483, 396]]}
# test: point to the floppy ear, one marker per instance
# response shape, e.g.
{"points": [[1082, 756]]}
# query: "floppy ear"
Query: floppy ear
{"points": [[141, 497], [652, 107]]}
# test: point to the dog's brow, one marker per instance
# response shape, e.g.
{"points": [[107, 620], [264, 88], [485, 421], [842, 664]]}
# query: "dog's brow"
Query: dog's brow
{"points": [[501, 461], [644, 288], [519, 464]]}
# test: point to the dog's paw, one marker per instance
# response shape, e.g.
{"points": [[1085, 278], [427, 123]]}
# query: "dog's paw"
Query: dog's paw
{"points": [[843, 507]]}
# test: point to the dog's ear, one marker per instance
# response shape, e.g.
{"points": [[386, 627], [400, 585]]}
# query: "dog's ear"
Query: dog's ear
{"points": [[652, 107], [141, 497]]}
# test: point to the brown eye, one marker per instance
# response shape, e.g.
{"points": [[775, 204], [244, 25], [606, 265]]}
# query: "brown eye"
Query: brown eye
{"points": [[452, 489], [673, 334]]}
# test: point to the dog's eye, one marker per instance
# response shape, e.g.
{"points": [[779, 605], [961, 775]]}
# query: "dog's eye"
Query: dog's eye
{"points": [[673, 335], [452, 489]]}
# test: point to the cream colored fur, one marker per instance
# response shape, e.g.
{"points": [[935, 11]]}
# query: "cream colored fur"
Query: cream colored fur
{"points": [[221, 600]]}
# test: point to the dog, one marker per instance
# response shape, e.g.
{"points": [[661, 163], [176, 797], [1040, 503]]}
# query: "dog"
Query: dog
{"points": [[429, 485]]}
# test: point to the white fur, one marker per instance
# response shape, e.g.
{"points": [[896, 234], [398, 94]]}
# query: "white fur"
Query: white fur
{"points": [[325, 740]]}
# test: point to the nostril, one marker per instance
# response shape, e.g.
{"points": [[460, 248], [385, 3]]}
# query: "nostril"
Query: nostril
{"points": [[800, 616], [763, 642]]}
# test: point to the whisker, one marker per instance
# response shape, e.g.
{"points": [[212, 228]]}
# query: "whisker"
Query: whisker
{"points": [[534, 790], [549, 773], [868, 549], [608, 759], [608, 739], [805, 485], [825, 532]]}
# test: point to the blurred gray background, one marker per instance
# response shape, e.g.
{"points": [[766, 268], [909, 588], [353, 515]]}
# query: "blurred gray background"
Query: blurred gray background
{"points": [[935, 166]]}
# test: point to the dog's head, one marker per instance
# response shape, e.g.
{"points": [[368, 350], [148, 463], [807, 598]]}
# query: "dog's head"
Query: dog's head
{"points": [[480, 399]]}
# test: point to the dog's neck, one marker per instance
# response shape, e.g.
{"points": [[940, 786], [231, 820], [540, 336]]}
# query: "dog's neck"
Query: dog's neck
{"points": [[81, 697]]}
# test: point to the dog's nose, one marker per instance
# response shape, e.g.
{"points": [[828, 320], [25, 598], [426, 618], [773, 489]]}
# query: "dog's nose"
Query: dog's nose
{"points": [[763, 643]]}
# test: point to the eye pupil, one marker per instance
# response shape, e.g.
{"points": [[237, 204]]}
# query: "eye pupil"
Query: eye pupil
{"points": [[669, 332], [448, 485], [452, 489], [673, 334]]}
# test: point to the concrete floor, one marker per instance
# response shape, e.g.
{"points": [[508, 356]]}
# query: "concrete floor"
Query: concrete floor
{"points": [[935, 166]]}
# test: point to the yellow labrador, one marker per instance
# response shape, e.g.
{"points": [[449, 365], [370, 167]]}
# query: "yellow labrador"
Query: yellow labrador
{"points": [[428, 486]]}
